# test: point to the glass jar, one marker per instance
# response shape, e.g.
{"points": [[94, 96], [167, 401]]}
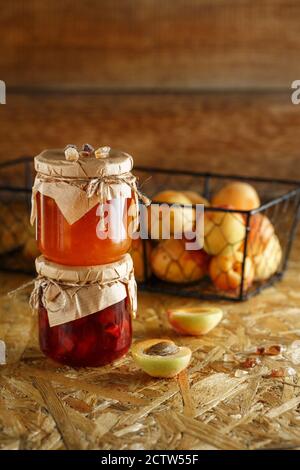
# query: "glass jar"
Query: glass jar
{"points": [[84, 209], [95, 340], [85, 324]]}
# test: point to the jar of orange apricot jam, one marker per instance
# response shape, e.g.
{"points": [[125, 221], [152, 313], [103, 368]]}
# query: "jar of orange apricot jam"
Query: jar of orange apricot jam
{"points": [[85, 314], [85, 205]]}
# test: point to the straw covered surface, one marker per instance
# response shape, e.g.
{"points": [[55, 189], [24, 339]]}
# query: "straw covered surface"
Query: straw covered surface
{"points": [[233, 396]]}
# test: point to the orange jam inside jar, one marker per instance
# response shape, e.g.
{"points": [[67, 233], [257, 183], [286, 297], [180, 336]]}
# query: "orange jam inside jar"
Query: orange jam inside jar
{"points": [[90, 337], [84, 209]]}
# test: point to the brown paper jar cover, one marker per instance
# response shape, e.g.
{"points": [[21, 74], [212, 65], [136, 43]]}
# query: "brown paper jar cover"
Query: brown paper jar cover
{"points": [[77, 186], [71, 292], [54, 163]]}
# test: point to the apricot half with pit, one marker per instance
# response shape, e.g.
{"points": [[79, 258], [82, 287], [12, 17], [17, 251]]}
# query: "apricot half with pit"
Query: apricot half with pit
{"points": [[239, 195], [161, 357], [195, 321]]}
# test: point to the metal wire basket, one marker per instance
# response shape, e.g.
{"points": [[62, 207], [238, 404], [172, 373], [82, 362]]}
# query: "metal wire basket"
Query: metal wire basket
{"points": [[280, 204]]}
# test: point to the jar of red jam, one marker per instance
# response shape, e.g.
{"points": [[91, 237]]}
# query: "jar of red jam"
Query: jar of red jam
{"points": [[85, 314], [85, 205]]}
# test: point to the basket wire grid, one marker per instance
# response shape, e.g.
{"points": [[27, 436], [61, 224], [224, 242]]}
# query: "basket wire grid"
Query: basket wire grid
{"points": [[280, 203]]}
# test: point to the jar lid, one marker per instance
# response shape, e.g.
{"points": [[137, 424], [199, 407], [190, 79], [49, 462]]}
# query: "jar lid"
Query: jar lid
{"points": [[111, 163], [71, 292], [104, 273]]}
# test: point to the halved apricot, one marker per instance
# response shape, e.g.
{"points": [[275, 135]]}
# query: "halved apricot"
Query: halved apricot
{"points": [[195, 321]]}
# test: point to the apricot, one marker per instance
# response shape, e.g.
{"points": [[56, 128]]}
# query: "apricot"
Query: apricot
{"points": [[195, 321], [224, 232], [178, 219], [170, 261], [239, 195], [267, 263], [226, 271], [196, 198], [261, 230], [137, 254], [161, 357]]}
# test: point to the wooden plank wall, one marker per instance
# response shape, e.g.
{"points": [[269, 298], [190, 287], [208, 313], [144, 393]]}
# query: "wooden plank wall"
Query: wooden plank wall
{"points": [[189, 44], [204, 81]]}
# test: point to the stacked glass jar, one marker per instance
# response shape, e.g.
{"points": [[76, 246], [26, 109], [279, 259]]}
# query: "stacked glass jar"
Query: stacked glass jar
{"points": [[85, 206]]}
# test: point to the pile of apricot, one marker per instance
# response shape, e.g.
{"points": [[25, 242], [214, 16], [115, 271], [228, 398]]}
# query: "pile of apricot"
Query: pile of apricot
{"points": [[223, 240]]}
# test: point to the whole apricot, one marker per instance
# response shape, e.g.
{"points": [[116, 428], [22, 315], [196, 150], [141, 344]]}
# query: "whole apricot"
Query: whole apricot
{"points": [[267, 262], [239, 195], [226, 271], [172, 262], [196, 198], [224, 232], [261, 231], [164, 220]]}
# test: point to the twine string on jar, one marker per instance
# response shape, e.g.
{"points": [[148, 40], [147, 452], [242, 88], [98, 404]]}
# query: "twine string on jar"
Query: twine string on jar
{"points": [[42, 286], [101, 187]]}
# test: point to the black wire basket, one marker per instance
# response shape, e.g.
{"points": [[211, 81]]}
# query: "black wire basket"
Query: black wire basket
{"points": [[280, 204]]}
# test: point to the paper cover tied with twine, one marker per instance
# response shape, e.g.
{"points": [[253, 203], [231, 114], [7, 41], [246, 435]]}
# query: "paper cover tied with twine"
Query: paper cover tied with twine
{"points": [[77, 186], [71, 292]]}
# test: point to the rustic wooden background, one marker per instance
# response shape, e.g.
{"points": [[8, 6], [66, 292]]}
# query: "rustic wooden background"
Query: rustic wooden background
{"points": [[198, 82]]}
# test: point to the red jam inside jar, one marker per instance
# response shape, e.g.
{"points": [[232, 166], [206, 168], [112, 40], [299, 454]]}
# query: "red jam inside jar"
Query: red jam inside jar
{"points": [[79, 244], [95, 340]]}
